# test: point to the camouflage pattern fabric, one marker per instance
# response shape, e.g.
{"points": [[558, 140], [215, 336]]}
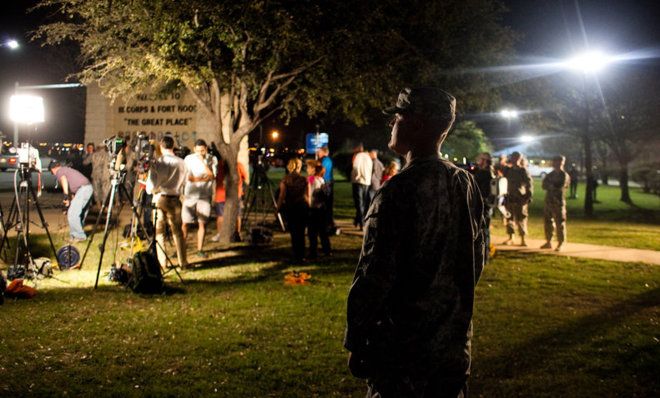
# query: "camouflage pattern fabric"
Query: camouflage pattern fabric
{"points": [[100, 174], [410, 306], [519, 195], [555, 185]]}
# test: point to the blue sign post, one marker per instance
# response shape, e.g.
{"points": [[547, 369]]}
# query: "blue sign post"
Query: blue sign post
{"points": [[315, 141]]}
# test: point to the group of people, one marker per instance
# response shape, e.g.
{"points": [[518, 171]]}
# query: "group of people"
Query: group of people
{"points": [[410, 305], [508, 186], [307, 203], [368, 174], [181, 190]]}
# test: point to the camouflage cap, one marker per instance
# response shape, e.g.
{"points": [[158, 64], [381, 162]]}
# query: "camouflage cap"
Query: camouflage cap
{"points": [[425, 101]]}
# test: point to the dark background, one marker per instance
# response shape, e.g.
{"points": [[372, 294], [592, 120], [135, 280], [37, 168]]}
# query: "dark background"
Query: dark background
{"points": [[547, 28]]}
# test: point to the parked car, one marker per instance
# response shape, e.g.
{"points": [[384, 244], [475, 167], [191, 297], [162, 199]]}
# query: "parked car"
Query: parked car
{"points": [[536, 170], [8, 161]]}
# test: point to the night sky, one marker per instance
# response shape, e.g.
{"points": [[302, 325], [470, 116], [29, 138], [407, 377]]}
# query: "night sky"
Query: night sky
{"points": [[548, 28]]}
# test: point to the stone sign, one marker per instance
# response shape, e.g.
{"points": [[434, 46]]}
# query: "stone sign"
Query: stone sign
{"points": [[176, 114]]}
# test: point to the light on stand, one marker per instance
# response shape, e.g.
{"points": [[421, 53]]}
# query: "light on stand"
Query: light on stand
{"points": [[28, 109]]}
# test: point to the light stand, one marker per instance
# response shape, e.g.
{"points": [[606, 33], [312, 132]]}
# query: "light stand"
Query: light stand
{"points": [[260, 199], [28, 109]]}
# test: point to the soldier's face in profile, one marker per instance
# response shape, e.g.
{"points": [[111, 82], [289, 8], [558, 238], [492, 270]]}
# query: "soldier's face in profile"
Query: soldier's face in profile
{"points": [[400, 135]]}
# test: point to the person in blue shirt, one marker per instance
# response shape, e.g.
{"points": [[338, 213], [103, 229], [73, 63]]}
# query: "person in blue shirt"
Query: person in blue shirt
{"points": [[328, 177]]}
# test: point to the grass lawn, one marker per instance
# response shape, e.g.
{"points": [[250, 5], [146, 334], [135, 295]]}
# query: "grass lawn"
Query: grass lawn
{"points": [[544, 326]]}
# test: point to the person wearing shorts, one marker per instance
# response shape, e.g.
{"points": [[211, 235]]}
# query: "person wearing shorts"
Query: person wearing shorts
{"points": [[198, 192]]}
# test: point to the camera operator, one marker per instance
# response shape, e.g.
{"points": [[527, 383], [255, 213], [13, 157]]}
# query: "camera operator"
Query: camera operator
{"points": [[77, 197], [166, 178]]}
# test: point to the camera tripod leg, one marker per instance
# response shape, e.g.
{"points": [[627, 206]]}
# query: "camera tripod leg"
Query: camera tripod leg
{"points": [[8, 225], [44, 224], [4, 234], [104, 205], [108, 216]]}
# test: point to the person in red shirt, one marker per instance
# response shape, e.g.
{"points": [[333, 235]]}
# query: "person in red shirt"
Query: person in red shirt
{"points": [[220, 197]]}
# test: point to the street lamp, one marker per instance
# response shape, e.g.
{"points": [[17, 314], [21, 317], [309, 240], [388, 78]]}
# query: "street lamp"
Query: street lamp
{"points": [[274, 135], [526, 138], [509, 114], [12, 44], [589, 62]]}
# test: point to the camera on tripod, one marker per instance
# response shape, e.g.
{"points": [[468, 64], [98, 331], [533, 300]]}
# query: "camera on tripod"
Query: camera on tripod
{"points": [[114, 145], [28, 157], [145, 153]]}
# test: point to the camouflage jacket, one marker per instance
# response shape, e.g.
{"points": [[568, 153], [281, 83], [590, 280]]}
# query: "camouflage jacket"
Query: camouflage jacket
{"points": [[521, 186], [411, 301], [555, 185], [100, 161]]}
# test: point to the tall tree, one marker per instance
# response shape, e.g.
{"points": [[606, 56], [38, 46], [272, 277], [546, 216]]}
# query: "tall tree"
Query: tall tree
{"points": [[630, 116], [244, 61]]}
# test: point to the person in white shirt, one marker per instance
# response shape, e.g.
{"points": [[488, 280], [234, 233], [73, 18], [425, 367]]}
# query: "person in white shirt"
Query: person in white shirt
{"points": [[361, 180], [166, 178], [197, 195]]}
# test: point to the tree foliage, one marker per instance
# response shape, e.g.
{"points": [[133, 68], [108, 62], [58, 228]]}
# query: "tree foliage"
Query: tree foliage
{"points": [[467, 140], [245, 61]]}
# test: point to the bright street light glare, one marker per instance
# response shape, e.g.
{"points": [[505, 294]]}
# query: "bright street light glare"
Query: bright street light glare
{"points": [[592, 61], [26, 109], [275, 134], [526, 138], [509, 114], [13, 44]]}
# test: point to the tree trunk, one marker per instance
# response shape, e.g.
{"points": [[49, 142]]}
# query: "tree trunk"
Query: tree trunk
{"points": [[623, 183], [232, 201], [588, 171]]}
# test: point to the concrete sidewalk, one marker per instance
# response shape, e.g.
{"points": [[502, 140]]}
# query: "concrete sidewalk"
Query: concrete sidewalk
{"points": [[569, 249]]}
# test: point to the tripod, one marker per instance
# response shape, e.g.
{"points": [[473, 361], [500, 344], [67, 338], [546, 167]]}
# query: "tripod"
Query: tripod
{"points": [[21, 220], [117, 185], [257, 199]]}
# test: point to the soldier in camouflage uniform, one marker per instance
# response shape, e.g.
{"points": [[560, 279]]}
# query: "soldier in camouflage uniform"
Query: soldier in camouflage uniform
{"points": [[409, 315], [554, 212], [100, 161], [520, 190]]}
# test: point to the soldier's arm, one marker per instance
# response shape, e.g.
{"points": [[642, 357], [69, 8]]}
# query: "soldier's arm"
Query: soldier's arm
{"points": [[544, 183], [529, 182], [375, 274]]}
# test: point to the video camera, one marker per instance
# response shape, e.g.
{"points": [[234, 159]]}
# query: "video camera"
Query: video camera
{"points": [[28, 156], [145, 153], [114, 145]]}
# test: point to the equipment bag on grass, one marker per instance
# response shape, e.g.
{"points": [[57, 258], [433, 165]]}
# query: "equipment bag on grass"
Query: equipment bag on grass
{"points": [[146, 276]]}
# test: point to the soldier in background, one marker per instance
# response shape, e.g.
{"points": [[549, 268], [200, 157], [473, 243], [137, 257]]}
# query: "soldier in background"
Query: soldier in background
{"points": [[554, 212], [520, 190], [485, 177], [100, 161]]}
